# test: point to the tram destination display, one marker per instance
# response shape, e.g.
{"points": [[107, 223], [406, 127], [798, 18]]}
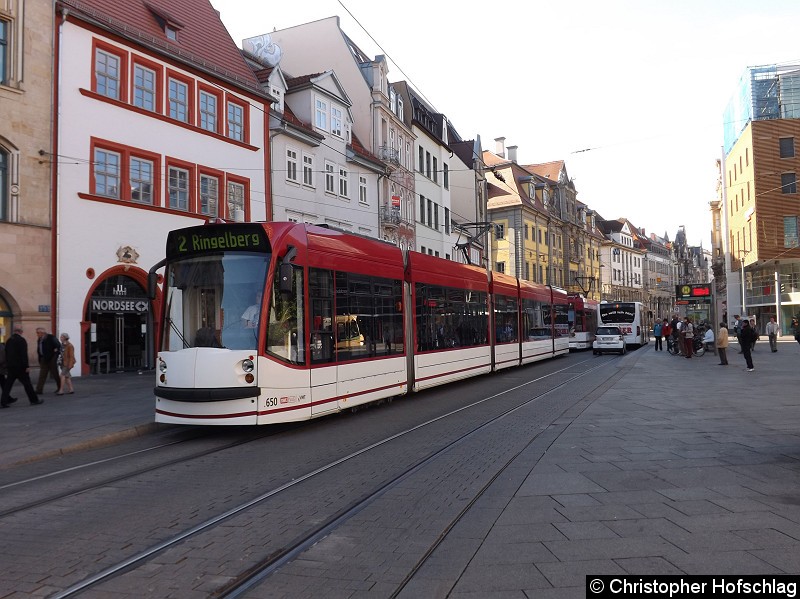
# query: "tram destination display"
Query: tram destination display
{"points": [[216, 238]]}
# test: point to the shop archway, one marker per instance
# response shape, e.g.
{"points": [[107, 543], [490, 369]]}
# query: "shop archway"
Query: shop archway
{"points": [[6, 319], [115, 326]]}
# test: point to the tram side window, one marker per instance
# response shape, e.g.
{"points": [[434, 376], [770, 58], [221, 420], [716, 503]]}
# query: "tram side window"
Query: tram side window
{"points": [[320, 287], [368, 316], [388, 332], [533, 320], [286, 333], [447, 317], [561, 312], [505, 319]]}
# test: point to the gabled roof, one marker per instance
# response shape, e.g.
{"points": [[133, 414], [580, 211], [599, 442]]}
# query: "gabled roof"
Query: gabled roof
{"points": [[506, 186], [548, 170], [610, 226], [465, 150], [315, 80], [302, 81], [421, 113], [291, 117], [358, 148], [202, 40]]}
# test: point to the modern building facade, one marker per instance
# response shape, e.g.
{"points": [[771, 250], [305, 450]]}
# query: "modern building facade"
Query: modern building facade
{"points": [[759, 205]]}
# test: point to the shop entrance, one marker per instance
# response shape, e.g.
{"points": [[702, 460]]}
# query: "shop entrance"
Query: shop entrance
{"points": [[117, 335], [6, 320]]}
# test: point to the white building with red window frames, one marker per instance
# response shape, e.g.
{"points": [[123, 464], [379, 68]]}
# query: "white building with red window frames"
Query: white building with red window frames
{"points": [[159, 124]]}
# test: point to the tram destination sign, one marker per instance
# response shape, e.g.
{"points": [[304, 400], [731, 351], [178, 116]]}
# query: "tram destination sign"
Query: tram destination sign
{"points": [[216, 238], [694, 292]]}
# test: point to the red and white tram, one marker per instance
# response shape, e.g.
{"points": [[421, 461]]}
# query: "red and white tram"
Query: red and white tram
{"points": [[274, 322], [583, 320]]}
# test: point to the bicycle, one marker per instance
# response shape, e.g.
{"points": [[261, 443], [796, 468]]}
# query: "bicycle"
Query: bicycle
{"points": [[698, 347]]}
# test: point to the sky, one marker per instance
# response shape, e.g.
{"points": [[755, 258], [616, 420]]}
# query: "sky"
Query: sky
{"points": [[630, 94]]}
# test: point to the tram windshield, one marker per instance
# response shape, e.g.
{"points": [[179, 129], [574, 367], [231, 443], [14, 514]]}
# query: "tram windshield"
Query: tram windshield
{"points": [[214, 300]]}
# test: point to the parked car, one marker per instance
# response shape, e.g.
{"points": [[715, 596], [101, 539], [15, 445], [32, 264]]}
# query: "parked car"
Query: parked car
{"points": [[609, 338]]}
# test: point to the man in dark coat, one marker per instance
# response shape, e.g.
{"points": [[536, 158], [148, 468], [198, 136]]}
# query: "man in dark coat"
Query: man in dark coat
{"points": [[48, 349], [18, 368], [747, 338]]}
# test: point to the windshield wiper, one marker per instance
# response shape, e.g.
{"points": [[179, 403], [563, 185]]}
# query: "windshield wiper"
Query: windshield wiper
{"points": [[180, 335]]}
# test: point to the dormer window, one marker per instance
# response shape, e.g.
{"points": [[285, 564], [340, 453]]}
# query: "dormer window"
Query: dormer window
{"points": [[169, 25]]}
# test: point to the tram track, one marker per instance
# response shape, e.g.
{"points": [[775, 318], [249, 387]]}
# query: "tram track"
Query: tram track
{"points": [[24, 485], [277, 557]]}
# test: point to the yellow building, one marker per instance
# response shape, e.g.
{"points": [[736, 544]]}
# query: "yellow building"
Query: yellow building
{"points": [[542, 232]]}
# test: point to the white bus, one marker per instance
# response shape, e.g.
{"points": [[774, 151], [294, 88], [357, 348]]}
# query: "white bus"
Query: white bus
{"points": [[630, 317]]}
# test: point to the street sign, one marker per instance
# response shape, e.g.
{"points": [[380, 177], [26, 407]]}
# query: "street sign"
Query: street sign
{"points": [[693, 291]]}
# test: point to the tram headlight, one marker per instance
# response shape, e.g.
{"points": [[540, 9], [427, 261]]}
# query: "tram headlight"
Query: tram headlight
{"points": [[162, 365], [247, 365]]}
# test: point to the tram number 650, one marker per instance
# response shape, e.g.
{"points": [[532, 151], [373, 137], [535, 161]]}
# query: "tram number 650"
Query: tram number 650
{"points": [[271, 402]]}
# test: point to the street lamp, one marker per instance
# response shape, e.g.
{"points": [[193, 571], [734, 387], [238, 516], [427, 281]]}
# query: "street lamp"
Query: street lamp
{"points": [[742, 254]]}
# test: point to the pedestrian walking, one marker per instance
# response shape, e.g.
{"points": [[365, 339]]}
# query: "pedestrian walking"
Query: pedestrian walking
{"points": [[18, 369], [737, 330], [772, 332], [795, 329], [722, 344], [67, 360], [687, 330], [657, 332], [48, 349], [755, 335], [747, 338]]}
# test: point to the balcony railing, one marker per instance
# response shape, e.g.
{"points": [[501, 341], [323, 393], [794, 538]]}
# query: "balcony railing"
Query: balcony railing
{"points": [[390, 216], [388, 154]]}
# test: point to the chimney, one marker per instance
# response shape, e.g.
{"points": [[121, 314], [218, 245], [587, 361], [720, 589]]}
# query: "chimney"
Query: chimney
{"points": [[512, 153], [500, 147]]}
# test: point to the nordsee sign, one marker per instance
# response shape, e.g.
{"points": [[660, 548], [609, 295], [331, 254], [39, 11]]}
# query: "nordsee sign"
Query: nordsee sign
{"points": [[104, 304]]}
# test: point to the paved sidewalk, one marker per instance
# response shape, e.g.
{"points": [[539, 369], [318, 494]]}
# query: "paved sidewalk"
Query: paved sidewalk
{"points": [[680, 467], [103, 409], [676, 467]]}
